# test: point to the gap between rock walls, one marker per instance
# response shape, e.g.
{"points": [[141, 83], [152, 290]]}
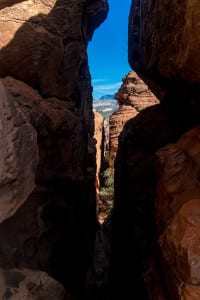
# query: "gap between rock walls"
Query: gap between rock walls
{"points": [[111, 218]]}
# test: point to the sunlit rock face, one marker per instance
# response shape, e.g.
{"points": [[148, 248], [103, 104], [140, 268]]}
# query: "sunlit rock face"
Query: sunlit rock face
{"points": [[99, 138], [133, 96], [156, 185], [44, 67], [116, 124], [41, 32]]}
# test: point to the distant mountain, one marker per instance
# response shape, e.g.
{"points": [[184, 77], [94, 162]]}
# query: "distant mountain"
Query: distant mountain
{"points": [[105, 107], [107, 97]]}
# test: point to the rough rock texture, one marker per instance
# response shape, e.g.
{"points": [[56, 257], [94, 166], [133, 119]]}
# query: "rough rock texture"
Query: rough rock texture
{"points": [[19, 156], [52, 236], [177, 211], [163, 48], [39, 32], [58, 157], [165, 42], [116, 123], [133, 96], [135, 92], [24, 284], [44, 66], [99, 137], [135, 190]]}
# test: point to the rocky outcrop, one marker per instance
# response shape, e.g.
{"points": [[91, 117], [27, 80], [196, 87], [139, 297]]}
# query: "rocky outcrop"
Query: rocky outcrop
{"points": [[49, 116], [18, 284], [39, 32], [47, 216], [156, 191], [177, 214], [133, 96], [44, 66], [135, 92], [19, 156], [99, 137], [135, 192], [164, 42], [116, 123]]}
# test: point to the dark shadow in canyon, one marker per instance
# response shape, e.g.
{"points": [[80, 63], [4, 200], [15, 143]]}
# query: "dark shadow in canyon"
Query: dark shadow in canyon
{"points": [[59, 218], [55, 229], [134, 251]]}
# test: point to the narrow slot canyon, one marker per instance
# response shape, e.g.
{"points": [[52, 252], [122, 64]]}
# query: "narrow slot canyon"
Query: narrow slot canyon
{"points": [[99, 180]]}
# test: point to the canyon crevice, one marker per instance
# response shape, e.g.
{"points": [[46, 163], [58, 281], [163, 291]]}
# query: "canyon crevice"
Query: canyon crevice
{"points": [[48, 197], [53, 246]]}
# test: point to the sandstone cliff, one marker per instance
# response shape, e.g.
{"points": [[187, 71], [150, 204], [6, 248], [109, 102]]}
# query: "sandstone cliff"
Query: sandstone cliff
{"points": [[154, 227], [44, 69], [133, 96]]}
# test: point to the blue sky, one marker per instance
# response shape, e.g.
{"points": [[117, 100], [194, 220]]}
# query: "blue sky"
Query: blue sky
{"points": [[108, 50]]}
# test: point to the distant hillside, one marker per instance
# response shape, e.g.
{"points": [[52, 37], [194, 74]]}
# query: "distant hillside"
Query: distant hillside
{"points": [[107, 97], [105, 107]]}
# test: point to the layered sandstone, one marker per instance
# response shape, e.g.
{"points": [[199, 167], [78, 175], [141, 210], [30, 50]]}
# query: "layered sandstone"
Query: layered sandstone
{"points": [[133, 96], [135, 92], [44, 66], [116, 123]]}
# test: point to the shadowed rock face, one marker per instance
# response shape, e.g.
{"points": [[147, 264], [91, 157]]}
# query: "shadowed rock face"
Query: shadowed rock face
{"points": [[133, 228], [50, 230], [44, 68], [177, 212], [18, 284], [154, 227], [164, 38], [19, 156]]}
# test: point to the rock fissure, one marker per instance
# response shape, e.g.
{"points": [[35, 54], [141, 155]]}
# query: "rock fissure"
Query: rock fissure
{"points": [[111, 218]]}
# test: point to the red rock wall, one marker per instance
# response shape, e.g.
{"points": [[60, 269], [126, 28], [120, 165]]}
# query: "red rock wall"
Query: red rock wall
{"points": [[177, 207], [164, 38], [44, 66], [156, 191], [133, 96]]}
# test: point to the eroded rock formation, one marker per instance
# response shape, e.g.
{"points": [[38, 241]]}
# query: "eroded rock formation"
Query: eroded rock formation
{"points": [[133, 96], [44, 66], [99, 137], [163, 49]]}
